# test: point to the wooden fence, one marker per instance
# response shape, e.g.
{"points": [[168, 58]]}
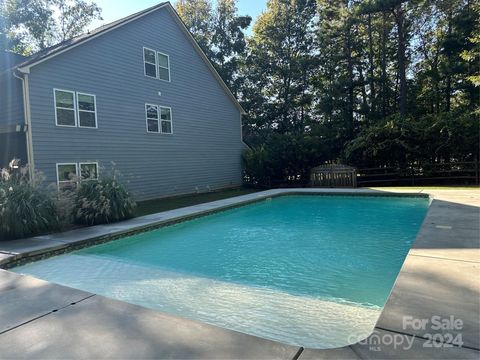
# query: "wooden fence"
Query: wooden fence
{"points": [[333, 175]]}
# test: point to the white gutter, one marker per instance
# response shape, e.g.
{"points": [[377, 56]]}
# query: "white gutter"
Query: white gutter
{"points": [[28, 123]]}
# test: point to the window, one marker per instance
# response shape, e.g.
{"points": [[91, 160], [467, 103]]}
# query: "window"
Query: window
{"points": [[159, 119], [87, 110], [66, 174], [75, 109], [65, 108], [163, 67], [166, 119], [152, 118], [69, 174], [89, 171], [150, 60], [156, 64]]}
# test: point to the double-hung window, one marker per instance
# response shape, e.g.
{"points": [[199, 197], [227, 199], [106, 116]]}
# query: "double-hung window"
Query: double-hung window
{"points": [[75, 109], [166, 120], [159, 119], [163, 66], [152, 118], [65, 108], [87, 110], [156, 64], [150, 60]]}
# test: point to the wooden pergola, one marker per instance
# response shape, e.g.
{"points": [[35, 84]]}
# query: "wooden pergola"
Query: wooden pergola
{"points": [[333, 175]]}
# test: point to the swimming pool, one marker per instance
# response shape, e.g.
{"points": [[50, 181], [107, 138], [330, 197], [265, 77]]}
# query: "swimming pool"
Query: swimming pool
{"points": [[307, 270]]}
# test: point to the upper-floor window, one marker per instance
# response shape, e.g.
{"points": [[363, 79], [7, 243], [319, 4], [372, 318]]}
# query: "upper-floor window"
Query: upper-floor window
{"points": [[87, 110], [166, 120], [163, 66], [65, 108], [151, 112], [159, 119], [156, 64], [75, 109], [150, 59]]}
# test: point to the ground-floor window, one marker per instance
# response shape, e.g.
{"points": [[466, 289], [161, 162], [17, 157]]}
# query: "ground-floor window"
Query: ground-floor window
{"points": [[89, 171], [69, 174]]}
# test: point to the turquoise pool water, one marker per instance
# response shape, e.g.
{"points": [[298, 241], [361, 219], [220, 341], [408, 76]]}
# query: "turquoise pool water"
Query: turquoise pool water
{"points": [[306, 270]]}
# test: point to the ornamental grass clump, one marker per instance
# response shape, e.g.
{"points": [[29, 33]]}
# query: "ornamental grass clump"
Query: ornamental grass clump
{"points": [[102, 201], [25, 210]]}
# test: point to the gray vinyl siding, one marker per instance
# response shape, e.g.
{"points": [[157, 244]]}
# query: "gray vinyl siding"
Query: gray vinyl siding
{"points": [[204, 150]]}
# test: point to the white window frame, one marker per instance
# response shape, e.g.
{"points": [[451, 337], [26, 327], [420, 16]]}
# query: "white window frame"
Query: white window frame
{"points": [[160, 119], [63, 108], [146, 119], [65, 181], [159, 112], [89, 111], [146, 62], [158, 66], [88, 163]]}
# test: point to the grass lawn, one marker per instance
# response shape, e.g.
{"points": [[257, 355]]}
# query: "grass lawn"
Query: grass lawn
{"points": [[170, 203]]}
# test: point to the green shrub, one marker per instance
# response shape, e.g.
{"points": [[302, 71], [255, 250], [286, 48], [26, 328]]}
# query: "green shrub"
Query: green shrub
{"points": [[25, 210], [102, 201]]}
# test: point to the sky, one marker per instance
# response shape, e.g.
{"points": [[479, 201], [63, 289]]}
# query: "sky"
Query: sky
{"points": [[114, 9]]}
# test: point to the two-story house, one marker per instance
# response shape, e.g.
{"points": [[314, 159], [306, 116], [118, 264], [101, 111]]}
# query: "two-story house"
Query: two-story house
{"points": [[138, 92]]}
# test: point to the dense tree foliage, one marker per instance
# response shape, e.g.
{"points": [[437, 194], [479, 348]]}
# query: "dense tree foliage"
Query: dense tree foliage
{"points": [[220, 33], [367, 82], [27, 26]]}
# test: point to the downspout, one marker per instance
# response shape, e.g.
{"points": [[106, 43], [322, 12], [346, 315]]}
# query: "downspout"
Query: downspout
{"points": [[28, 123]]}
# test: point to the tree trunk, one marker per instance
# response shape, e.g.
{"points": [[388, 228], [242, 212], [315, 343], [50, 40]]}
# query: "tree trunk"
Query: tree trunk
{"points": [[363, 84], [400, 21], [351, 97], [371, 67], [448, 89], [384, 65]]}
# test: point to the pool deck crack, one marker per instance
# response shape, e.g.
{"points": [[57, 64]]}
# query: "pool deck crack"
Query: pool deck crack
{"points": [[46, 314]]}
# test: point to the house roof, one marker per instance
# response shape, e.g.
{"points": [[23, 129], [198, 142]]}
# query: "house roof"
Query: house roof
{"points": [[48, 53]]}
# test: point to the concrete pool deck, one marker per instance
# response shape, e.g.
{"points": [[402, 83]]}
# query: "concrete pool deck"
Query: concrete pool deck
{"points": [[440, 278]]}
